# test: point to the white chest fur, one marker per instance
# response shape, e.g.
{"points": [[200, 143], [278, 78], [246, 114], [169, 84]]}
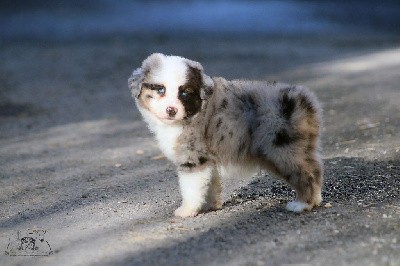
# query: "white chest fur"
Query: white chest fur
{"points": [[166, 135]]}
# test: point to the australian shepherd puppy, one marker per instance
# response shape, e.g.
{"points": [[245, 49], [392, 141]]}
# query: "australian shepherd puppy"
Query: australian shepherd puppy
{"points": [[212, 128]]}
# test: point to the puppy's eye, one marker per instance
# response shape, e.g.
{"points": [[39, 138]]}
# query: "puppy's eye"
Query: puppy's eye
{"points": [[161, 91], [184, 94]]}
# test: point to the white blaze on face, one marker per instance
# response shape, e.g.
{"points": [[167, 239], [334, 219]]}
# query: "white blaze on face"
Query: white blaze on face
{"points": [[171, 74]]}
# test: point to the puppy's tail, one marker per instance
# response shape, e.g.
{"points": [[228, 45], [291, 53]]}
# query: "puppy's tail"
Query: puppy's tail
{"points": [[300, 105]]}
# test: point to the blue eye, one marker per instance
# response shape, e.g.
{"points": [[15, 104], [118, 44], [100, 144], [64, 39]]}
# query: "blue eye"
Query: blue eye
{"points": [[161, 91]]}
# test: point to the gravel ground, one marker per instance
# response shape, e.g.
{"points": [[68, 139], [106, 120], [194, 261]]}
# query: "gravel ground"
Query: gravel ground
{"points": [[77, 161]]}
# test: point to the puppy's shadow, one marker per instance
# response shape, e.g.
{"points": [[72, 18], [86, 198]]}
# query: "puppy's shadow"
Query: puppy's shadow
{"points": [[263, 187], [346, 180]]}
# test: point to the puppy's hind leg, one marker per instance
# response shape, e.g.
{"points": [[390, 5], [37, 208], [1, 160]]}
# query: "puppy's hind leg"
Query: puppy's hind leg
{"points": [[307, 182], [214, 193], [200, 191]]}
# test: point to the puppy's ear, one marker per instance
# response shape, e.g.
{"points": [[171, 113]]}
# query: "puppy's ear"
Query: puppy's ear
{"points": [[206, 89], [134, 82], [194, 64]]}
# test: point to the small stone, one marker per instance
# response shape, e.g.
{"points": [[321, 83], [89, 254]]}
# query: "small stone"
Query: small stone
{"points": [[139, 152], [366, 123], [159, 157], [384, 216], [328, 205], [118, 165]]}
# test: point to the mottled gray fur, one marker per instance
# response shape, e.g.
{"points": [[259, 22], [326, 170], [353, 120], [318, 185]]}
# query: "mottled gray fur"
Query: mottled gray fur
{"points": [[245, 122]]}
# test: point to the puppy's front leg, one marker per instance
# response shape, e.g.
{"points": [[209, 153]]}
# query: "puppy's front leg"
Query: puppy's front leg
{"points": [[195, 187]]}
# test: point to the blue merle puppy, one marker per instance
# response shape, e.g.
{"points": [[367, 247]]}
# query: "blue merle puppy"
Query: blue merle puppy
{"points": [[212, 128]]}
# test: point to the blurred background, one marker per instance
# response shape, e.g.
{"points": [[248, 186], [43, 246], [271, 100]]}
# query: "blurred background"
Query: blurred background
{"points": [[257, 35], [66, 20]]}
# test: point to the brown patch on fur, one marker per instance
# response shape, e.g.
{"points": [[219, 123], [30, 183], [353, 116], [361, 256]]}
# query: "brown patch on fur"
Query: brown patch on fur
{"points": [[189, 93], [307, 105], [145, 95]]}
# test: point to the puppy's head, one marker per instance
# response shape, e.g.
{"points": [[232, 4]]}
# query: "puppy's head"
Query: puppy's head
{"points": [[171, 88]]}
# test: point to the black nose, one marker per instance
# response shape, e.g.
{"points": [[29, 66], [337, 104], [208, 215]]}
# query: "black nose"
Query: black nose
{"points": [[171, 111]]}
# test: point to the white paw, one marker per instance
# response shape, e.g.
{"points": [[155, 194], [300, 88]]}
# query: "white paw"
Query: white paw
{"points": [[297, 206], [185, 211]]}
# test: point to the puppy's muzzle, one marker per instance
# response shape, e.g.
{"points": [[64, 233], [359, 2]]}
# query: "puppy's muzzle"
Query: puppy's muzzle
{"points": [[171, 111]]}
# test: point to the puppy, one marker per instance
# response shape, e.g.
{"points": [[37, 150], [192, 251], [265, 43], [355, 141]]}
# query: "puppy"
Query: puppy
{"points": [[211, 127]]}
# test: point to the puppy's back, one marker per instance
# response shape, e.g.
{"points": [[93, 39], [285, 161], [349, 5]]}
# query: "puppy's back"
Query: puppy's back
{"points": [[253, 119]]}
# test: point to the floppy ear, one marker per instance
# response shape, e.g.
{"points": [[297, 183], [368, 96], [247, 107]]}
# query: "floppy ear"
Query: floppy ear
{"points": [[207, 86], [151, 62], [134, 82]]}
